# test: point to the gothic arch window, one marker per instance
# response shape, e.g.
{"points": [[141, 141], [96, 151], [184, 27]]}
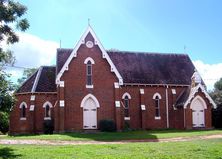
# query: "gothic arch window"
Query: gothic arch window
{"points": [[89, 62], [23, 107], [126, 101], [157, 98], [47, 106]]}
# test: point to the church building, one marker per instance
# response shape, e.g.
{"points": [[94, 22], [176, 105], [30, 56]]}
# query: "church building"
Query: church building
{"points": [[89, 83]]}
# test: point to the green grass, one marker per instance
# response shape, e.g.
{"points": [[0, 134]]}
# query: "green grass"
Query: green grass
{"points": [[197, 149], [105, 136]]}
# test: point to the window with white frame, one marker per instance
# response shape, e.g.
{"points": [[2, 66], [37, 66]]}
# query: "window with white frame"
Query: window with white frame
{"points": [[23, 107], [126, 106], [89, 73], [157, 98], [126, 103], [47, 106], [89, 62]]}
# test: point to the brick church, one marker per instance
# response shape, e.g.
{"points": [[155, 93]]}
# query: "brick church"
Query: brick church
{"points": [[89, 84]]}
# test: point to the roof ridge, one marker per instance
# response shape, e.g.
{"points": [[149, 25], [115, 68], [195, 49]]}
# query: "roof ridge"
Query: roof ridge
{"points": [[143, 52]]}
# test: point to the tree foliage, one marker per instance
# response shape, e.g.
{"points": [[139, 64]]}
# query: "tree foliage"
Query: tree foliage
{"points": [[216, 95], [26, 74], [11, 13]]}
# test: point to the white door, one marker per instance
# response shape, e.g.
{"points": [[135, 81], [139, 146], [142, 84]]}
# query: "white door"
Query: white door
{"points": [[198, 114], [89, 114]]}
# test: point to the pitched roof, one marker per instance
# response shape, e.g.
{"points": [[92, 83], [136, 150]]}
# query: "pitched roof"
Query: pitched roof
{"points": [[62, 56], [182, 98], [153, 68], [43, 80]]}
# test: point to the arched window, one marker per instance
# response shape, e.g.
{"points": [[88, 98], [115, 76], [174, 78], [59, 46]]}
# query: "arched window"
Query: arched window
{"points": [[126, 106], [23, 107], [47, 105], [157, 106], [89, 73], [157, 98]]}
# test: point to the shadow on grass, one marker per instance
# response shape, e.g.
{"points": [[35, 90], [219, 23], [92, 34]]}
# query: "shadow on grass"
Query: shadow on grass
{"points": [[8, 153]]}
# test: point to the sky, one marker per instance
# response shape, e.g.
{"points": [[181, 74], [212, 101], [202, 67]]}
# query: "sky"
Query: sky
{"points": [[163, 26]]}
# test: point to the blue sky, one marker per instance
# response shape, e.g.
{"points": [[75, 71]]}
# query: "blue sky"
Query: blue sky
{"points": [[142, 25], [164, 26]]}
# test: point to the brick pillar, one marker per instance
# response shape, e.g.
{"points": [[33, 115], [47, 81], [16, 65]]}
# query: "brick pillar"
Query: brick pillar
{"points": [[118, 117], [32, 122], [61, 106], [143, 109]]}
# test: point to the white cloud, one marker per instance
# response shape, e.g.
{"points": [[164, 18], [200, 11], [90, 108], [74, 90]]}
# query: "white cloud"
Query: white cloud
{"points": [[31, 51], [210, 73]]}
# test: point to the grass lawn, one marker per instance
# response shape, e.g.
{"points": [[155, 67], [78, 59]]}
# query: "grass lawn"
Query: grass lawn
{"points": [[106, 136], [197, 149]]}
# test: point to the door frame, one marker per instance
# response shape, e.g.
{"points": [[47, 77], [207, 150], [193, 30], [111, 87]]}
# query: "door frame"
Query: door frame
{"points": [[83, 105]]}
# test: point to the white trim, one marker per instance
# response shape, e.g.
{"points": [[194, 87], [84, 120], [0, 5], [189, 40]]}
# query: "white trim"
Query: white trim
{"points": [[117, 104], [47, 118], [23, 118], [32, 108], [61, 103], [151, 84], [167, 108], [141, 91], [89, 59], [89, 86], [116, 85], [173, 91], [143, 107], [23, 103], [61, 84], [47, 103], [126, 94], [126, 118], [157, 117], [201, 99], [36, 79], [194, 90], [90, 96], [157, 94], [32, 98], [74, 54]]}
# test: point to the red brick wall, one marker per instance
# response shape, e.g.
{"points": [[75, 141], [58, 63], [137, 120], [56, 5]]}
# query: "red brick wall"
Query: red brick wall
{"points": [[25, 126], [75, 87]]}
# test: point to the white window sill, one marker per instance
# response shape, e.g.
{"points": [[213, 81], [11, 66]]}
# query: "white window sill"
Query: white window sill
{"points": [[22, 118], [126, 118], [89, 86], [157, 117], [47, 118]]}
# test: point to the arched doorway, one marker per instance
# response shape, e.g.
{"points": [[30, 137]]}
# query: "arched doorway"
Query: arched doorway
{"points": [[198, 114], [89, 105]]}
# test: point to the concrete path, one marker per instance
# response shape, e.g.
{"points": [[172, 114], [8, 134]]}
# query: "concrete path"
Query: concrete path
{"points": [[62, 142]]}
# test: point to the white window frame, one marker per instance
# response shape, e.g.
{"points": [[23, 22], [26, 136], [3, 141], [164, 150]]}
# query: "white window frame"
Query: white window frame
{"points": [[21, 107], [159, 97], [50, 106], [86, 61]]}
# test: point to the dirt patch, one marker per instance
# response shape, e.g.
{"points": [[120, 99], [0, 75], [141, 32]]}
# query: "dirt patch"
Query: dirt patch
{"points": [[60, 142]]}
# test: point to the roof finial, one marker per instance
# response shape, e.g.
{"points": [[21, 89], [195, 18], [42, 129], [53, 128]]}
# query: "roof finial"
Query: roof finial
{"points": [[88, 21]]}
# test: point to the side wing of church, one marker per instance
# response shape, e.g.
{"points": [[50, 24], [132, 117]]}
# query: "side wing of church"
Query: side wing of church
{"points": [[89, 84]]}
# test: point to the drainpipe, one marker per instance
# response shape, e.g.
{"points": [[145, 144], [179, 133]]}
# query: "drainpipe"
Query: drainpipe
{"points": [[167, 107]]}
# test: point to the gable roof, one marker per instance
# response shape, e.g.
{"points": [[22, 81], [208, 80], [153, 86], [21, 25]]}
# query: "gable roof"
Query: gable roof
{"points": [[153, 68], [43, 80], [73, 54]]}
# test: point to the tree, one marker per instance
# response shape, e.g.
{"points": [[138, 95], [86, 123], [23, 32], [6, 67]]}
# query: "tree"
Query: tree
{"points": [[216, 95], [10, 17], [26, 74]]}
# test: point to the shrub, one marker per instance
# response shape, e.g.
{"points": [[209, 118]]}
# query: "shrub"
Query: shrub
{"points": [[4, 122], [107, 125], [48, 126]]}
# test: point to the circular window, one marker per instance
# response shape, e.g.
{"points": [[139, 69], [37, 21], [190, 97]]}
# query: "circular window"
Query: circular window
{"points": [[89, 44]]}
